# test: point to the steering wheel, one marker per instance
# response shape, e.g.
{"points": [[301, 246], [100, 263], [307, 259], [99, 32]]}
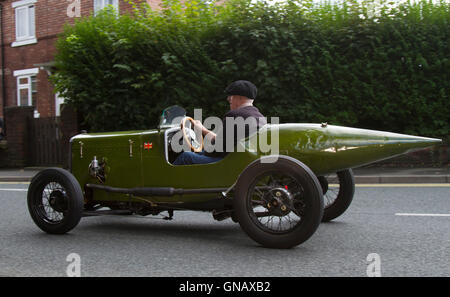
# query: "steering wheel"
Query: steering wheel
{"points": [[190, 137]]}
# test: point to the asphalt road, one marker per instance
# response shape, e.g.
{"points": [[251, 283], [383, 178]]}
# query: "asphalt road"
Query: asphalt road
{"points": [[193, 244]]}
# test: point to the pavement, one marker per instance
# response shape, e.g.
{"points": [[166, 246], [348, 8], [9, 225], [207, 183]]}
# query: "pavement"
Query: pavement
{"points": [[363, 175]]}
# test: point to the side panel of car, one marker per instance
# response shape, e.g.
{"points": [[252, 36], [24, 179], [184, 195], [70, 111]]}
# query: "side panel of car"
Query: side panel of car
{"points": [[158, 172], [138, 159], [119, 156]]}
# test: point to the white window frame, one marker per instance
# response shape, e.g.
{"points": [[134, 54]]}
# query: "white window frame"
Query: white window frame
{"points": [[58, 101], [101, 4], [29, 38], [25, 73]]}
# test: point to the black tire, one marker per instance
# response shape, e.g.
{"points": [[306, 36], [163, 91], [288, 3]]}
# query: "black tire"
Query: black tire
{"points": [[304, 189], [341, 197], [55, 201]]}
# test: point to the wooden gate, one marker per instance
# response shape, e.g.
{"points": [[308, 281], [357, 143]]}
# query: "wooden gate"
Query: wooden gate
{"points": [[45, 142]]}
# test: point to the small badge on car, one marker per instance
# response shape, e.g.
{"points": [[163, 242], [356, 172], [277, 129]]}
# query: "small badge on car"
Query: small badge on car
{"points": [[148, 145]]}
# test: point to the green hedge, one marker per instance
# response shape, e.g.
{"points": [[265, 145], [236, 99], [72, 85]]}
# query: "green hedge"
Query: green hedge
{"points": [[379, 68]]}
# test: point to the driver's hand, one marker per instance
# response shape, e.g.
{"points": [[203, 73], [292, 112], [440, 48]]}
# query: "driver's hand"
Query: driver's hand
{"points": [[198, 125]]}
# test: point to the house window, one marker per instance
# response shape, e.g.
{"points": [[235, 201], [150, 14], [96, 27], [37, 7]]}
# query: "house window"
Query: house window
{"points": [[26, 86], [25, 26], [25, 22], [101, 4]]}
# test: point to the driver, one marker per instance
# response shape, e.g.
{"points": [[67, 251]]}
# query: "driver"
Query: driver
{"points": [[240, 96]]}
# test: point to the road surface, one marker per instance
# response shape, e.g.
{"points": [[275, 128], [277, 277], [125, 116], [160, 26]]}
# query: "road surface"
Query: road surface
{"points": [[407, 226]]}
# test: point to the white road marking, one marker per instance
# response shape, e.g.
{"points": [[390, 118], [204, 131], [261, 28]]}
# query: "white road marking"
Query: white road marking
{"points": [[402, 185], [14, 190], [424, 214]]}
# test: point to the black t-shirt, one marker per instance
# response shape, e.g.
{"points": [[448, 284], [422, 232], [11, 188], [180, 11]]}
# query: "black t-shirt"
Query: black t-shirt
{"points": [[251, 120]]}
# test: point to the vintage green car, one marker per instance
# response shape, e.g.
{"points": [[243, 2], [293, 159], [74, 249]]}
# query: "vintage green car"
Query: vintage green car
{"points": [[278, 197]]}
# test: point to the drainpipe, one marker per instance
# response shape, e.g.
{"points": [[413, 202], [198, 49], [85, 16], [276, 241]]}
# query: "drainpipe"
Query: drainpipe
{"points": [[3, 65]]}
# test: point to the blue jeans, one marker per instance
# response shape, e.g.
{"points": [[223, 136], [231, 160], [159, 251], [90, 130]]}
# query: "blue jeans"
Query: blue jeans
{"points": [[187, 158]]}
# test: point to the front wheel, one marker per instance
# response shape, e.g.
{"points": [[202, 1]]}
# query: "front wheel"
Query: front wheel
{"points": [[55, 201], [279, 205]]}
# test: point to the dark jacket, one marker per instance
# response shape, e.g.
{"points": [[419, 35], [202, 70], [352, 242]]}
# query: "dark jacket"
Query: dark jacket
{"points": [[246, 112]]}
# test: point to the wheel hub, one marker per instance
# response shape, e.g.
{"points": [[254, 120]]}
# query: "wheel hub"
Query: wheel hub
{"points": [[58, 201], [278, 201]]}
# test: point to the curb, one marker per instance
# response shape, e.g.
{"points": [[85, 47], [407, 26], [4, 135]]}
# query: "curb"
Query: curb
{"points": [[402, 179]]}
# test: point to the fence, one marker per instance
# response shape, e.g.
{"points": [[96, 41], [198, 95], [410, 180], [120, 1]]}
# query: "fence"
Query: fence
{"points": [[45, 142]]}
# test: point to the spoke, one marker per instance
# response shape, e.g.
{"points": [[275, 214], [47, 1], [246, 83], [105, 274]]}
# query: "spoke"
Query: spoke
{"points": [[46, 211], [46, 193], [289, 220], [270, 220], [271, 181], [262, 214], [264, 189], [260, 195], [259, 191], [258, 202], [60, 216]]}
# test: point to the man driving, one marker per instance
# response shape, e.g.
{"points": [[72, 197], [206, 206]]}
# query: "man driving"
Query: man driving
{"points": [[240, 96]]}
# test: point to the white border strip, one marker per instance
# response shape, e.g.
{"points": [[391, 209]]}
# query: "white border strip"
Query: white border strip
{"points": [[24, 42], [29, 71], [22, 3]]}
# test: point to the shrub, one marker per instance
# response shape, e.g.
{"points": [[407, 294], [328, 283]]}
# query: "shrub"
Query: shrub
{"points": [[354, 64]]}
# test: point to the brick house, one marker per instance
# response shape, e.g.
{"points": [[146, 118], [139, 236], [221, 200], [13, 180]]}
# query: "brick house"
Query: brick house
{"points": [[29, 31]]}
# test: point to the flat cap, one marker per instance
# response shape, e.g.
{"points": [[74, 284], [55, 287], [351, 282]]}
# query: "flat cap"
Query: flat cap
{"points": [[242, 88]]}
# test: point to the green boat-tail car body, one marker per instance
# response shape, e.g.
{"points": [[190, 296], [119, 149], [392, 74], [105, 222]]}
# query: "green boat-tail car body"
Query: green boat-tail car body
{"points": [[324, 149], [127, 170]]}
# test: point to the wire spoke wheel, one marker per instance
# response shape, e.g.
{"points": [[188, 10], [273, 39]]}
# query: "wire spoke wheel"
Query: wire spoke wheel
{"points": [[275, 202], [338, 190], [53, 203], [55, 200], [278, 204], [330, 189]]}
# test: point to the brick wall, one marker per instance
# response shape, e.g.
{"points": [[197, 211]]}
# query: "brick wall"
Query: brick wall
{"points": [[17, 152]]}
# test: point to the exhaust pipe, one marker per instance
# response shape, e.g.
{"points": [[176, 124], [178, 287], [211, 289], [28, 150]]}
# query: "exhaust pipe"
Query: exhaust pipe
{"points": [[154, 191]]}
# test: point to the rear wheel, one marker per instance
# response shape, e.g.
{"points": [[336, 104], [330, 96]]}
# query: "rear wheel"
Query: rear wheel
{"points": [[279, 205], [55, 201], [338, 190]]}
